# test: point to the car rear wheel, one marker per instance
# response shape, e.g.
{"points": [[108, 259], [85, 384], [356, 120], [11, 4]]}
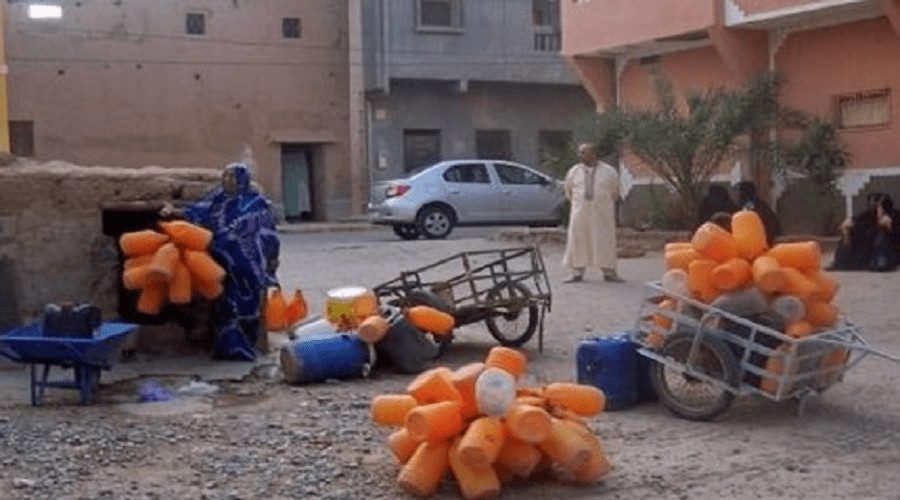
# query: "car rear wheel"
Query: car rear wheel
{"points": [[406, 231], [434, 222]]}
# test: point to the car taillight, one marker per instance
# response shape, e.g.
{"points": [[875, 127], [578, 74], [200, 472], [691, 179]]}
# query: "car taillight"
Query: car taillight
{"points": [[398, 190]]}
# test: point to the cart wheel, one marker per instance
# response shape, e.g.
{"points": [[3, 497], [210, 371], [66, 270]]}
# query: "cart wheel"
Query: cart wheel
{"points": [[687, 396], [517, 316], [426, 298]]}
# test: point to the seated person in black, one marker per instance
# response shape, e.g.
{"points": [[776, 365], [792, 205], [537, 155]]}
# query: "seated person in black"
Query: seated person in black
{"points": [[717, 207], [871, 240], [748, 200]]}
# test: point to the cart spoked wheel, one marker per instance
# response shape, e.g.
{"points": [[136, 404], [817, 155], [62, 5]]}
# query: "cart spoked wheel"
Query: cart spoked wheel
{"points": [[426, 298], [517, 316], [692, 397]]}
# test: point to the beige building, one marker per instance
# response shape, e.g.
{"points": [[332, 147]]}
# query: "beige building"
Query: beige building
{"points": [[191, 84]]}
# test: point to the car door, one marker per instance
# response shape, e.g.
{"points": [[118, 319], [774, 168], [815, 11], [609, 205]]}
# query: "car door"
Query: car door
{"points": [[525, 194], [471, 191]]}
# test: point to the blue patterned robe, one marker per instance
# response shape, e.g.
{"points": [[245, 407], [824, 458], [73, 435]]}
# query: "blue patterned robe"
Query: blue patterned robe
{"points": [[245, 243]]}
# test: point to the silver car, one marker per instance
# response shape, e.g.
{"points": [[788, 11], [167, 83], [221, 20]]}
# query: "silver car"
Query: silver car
{"points": [[451, 193]]}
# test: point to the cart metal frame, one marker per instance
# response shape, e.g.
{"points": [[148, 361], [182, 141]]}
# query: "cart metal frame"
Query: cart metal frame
{"points": [[764, 361], [484, 285], [87, 357]]}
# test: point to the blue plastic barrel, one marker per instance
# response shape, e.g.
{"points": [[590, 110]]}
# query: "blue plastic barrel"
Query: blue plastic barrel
{"points": [[613, 365], [318, 357]]}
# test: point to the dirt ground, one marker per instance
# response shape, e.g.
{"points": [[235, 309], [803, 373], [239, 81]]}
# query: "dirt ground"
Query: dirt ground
{"points": [[261, 438]]}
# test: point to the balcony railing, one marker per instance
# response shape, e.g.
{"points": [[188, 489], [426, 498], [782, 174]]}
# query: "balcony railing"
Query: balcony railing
{"points": [[547, 42]]}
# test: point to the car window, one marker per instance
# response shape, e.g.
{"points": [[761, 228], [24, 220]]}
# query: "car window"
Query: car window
{"points": [[510, 174], [467, 172]]}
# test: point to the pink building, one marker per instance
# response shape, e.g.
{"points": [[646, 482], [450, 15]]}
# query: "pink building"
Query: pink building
{"points": [[841, 58]]}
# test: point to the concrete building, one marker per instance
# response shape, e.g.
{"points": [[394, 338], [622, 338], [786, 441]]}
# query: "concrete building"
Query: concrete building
{"points": [[174, 84], [841, 59], [451, 79]]}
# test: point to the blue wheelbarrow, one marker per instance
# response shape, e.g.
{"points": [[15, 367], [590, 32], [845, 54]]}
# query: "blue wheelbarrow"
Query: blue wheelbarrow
{"points": [[86, 356]]}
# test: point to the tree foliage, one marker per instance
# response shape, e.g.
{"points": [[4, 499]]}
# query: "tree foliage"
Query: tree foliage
{"points": [[685, 145]]}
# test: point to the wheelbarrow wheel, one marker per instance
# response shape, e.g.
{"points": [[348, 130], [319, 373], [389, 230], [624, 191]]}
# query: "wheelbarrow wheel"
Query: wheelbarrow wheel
{"points": [[517, 316], [688, 396], [430, 299]]}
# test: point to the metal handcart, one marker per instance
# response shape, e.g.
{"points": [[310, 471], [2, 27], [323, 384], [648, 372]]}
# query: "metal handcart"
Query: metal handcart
{"points": [[507, 288], [87, 357], [706, 356]]}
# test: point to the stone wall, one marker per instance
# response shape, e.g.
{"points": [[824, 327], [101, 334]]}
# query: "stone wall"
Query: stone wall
{"points": [[52, 242]]}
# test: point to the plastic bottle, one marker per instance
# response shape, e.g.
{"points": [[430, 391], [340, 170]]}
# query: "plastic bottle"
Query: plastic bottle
{"points": [[675, 281], [714, 242], [584, 400], [429, 319], [513, 361], [481, 442], [392, 409], [495, 390], [402, 445], [828, 286], [464, 379], [519, 457], [789, 307], [434, 422], [767, 274], [822, 314], [424, 471], [680, 258], [527, 423], [731, 274], [745, 302], [373, 329], [803, 255], [796, 283], [698, 280], [749, 233], [566, 447], [474, 482], [434, 385]]}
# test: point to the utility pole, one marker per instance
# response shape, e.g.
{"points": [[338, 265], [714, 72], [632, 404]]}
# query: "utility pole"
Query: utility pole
{"points": [[4, 70]]}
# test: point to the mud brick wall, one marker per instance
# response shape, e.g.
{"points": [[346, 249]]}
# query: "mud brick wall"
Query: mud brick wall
{"points": [[52, 244]]}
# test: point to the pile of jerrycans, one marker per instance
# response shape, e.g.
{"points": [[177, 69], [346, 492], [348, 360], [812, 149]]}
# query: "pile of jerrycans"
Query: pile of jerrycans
{"points": [[612, 364]]}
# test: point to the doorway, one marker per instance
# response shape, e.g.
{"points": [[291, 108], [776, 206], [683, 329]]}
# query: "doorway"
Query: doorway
{"points": [[297, 181]]}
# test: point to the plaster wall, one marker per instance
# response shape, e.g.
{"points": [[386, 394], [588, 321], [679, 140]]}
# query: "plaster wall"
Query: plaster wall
{"points": [[121, 84], [522, 109], [51, 231], [822, 64], [597, 25]]}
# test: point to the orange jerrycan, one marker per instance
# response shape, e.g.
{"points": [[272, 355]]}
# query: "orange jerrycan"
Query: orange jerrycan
{"points": [[749, 233]]}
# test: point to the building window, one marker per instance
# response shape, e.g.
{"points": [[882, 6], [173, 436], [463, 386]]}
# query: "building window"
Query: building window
{"points": [[439, 14], [493, 144], [290, 27], [21, 138], [195, 23], [864, 109], [44, 11], [545, 13], [421, 148], [553, 144]]}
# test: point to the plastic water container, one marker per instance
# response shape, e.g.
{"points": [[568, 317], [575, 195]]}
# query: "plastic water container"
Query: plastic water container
{"points": [[613, 365], [317, 357], [404, 345]]}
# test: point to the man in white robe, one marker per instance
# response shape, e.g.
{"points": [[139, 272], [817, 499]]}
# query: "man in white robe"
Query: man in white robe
{"points": [[592, 188]]}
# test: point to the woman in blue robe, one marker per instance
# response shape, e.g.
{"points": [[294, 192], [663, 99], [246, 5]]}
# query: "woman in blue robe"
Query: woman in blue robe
{"points": [[246, 244]]}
